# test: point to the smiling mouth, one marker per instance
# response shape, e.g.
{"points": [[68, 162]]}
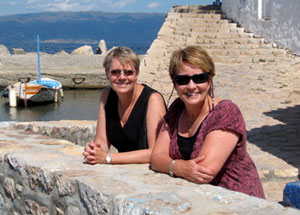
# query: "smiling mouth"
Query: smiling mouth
{"points": [[122, 84], [191, 94]]}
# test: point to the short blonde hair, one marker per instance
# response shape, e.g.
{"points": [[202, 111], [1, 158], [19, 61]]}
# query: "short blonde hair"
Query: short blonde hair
{"points": [[125, 55], [194, 55]]}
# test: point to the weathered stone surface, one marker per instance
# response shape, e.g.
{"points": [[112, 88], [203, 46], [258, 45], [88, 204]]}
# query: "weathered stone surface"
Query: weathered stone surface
{"points": [[9, 186], [34, 208], [62, 52], [65, 186], [102, 47], [83, 50], [72, 209], [4, 51], [73, 71], [97, 203], [18, 51]]}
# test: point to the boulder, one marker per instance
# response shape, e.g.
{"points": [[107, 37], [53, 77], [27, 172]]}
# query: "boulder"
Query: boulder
{"points": [[102, 48], [4, 50], [83, 50], [62, 52], [18, 51]]}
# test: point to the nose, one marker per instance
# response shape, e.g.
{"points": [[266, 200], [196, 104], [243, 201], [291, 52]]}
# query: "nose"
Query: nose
{"points": [[122, 75], [191, 84]]}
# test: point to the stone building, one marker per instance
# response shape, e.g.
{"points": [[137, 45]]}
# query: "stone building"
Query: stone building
{"points": [[275, 20]]}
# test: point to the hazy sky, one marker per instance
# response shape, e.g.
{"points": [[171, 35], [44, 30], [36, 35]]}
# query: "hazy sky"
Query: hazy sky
{"points": [[8, 7]]}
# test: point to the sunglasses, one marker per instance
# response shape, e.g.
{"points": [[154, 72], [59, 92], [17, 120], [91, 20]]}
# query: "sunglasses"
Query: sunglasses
{"points": [[125, 71], [197, 79]]}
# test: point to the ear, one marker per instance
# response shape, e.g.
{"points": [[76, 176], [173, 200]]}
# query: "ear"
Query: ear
{"points": [[107, 74]]}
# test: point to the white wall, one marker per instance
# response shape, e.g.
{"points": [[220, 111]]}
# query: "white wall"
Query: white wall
{"points": [[279, 23]]}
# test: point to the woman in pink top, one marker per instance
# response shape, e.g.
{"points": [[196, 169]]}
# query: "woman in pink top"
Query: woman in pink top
{"points": [[203, 138]]}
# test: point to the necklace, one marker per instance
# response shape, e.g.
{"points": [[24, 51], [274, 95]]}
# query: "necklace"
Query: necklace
{"points": [[124, 112], [193, 124]]}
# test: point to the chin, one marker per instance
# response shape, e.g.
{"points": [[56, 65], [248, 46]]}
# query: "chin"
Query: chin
{"points": [[122, 88], [192, 100]]}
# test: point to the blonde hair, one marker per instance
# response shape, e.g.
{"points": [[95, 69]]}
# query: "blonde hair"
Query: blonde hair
{"points": [[194, 55], [125, 55]]}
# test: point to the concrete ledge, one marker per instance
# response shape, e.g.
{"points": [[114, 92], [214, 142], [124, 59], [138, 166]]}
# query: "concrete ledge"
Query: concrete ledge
{"points": [[43, 175], [75, 131]]}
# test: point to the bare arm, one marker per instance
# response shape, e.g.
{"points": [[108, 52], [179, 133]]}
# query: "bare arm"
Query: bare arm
{"points": [[217, 147], [100, 139], [188, 169]]}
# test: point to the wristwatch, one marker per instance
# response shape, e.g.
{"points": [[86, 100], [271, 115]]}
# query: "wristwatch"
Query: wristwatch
{"points": [[108, 158]]}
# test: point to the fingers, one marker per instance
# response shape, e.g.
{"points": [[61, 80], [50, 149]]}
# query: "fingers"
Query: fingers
{"points": [[199, 159], [91, 144], [198, 174], [89, 150], [90, 159]]}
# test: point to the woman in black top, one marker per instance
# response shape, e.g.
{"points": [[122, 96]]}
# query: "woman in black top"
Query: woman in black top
{"points": [[130, 114]]}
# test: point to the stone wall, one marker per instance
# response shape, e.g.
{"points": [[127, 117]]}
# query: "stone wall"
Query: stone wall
{"points": [[41, 176], [275, 20], [73, 71]]}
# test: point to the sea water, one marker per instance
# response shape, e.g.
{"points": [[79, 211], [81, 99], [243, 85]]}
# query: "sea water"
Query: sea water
{"points": [[52, 48], [76, 105]]}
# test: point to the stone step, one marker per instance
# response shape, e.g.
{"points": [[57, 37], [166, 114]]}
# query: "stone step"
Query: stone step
{"points": [[218, 35], [190, 21], [224, 41], [248, 52], [186, 32], [166, 40], [203, 26], [196, 15]]}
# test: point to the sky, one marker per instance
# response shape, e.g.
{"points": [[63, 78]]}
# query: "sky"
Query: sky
{"points": [[10, 7]]}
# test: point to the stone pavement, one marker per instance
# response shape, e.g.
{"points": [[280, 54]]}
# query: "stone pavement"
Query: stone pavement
{"points": [[44, 175]]}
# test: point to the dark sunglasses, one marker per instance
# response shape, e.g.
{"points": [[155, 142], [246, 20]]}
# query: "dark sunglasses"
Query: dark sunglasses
{"points": [[197, 79], [118, 72]]}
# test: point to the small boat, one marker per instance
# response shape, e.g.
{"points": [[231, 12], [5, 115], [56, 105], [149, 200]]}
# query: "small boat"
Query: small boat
{"points": [[41, 91]]}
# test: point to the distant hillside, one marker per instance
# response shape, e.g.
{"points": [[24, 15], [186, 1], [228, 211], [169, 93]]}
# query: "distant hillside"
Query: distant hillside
{"points": [[81, 27]]}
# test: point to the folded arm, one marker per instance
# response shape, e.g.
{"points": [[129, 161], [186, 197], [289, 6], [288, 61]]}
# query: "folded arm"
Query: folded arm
{"points": [[188, 169]]}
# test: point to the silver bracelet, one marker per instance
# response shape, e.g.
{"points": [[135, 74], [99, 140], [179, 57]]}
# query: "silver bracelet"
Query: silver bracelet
{"points": [[171, 168], [108, 158]]}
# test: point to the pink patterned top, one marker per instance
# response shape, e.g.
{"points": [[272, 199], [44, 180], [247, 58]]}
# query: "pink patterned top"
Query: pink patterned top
{"points": [[239, 172]]}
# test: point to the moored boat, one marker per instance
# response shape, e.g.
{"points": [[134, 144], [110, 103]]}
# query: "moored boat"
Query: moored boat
{"points": [[33, 93], [41, 91]]}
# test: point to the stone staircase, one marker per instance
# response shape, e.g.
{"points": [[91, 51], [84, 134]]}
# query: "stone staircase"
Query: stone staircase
{"points": [[262, 79], [205, 26]]}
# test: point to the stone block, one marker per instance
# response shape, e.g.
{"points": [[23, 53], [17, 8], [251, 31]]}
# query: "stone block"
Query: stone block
{"points": [[19, 51], [291, 194], [4, 50]]}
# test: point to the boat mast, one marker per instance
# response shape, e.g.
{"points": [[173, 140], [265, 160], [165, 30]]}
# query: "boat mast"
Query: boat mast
{"points": [[38, 57]]}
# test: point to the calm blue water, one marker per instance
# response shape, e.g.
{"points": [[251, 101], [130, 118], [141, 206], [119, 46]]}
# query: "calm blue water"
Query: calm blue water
{"points": [[52, 48], [76, 105]]}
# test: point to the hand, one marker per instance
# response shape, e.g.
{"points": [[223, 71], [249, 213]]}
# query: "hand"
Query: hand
{"points": [[192, 171], [93, 153]]}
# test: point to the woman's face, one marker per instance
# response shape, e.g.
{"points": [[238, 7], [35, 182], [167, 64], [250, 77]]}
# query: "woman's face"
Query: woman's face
{"points": [[122, 77], [192, 93]]}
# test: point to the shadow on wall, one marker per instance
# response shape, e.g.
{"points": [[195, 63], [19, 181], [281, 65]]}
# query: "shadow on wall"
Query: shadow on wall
{"points": [[283, 141]]}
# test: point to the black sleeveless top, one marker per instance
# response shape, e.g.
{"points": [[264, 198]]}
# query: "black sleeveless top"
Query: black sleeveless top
{"points": [[186, 144], [133, 135]]}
